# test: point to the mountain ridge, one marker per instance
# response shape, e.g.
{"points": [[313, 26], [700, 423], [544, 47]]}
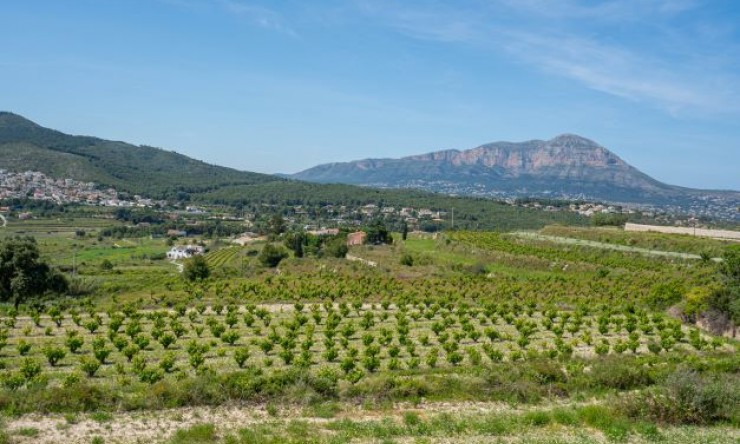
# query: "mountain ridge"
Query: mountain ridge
{"points": [[567, 157], [137, 169], [159, 174], [566, 166]]}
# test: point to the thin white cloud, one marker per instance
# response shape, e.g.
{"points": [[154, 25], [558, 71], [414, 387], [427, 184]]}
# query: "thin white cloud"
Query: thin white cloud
{"points": [[611, 10], [695, 80], [425, 24], [613, 70], [258, 15]]}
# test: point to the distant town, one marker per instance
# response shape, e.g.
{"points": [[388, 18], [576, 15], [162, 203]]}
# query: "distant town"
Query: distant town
{"points": [[710, 206], [38, 186], [35, 185]]}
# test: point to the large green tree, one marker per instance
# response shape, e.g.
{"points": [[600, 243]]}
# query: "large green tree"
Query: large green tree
{"points": [[336, 247], [23, 274], [272, 255], [295, 242], [276, 225], [727, 299], [377, 233], [196, 269]]}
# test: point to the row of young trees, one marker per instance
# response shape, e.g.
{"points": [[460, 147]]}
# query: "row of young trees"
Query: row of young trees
{"points": [[350, 337]]}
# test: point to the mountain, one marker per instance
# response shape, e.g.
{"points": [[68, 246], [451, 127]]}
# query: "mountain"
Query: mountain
{"points": [[161, 174], [26, 146], [567, 166]]}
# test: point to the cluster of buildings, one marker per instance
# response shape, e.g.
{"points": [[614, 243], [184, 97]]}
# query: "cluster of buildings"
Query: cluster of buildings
{"points": [[36, 185], [589, 209], [184, 251], [343, 215]]}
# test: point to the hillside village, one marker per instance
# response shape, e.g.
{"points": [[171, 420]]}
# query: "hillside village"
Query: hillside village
{"points": [[36, 185]]}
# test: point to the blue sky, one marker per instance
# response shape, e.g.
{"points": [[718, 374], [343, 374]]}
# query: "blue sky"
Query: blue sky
{"points": [[279, 86]]}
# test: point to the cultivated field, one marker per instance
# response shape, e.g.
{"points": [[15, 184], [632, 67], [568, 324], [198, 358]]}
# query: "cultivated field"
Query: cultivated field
{"points": [[702, 232], [464, 336]]}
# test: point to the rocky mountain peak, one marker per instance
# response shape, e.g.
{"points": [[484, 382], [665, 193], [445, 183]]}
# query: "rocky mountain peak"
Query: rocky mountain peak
{"points": [[572, 140], [565, 165]]}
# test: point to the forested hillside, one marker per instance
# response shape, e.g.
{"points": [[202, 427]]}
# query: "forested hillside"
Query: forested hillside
{"points": [[161, 174], [144, 170]]}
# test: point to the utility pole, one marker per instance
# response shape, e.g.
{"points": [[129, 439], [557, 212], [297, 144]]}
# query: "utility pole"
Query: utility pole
{"points": [[453, 217]]}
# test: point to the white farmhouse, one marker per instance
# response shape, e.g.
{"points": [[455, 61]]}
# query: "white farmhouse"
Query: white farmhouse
{"points": [[184, 251]]}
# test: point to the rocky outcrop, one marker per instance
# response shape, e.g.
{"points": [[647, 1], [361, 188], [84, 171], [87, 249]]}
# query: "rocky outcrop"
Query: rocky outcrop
{"points": [[568, 166]]}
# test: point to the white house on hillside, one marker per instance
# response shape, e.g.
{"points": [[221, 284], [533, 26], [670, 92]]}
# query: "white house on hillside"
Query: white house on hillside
{"points": [[184, 251]]}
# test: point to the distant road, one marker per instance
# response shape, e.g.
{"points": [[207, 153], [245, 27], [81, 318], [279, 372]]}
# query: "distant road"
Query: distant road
{"points": [[702, 232], [349, 257], [605, 246], [180, 267]]}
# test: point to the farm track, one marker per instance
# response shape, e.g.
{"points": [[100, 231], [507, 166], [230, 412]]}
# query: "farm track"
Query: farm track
{"points": [[156, 426], [606, 246], [361, 260], [159, 426]]}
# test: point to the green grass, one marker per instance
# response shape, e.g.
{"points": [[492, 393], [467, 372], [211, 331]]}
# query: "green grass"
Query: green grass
{"points": [[28, 432], [564, 425], [652, 241], [197, 434], [461, 284]]}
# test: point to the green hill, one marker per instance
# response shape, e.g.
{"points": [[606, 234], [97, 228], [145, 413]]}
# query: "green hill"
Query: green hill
{"points": [[161, 174], [144, 170]]}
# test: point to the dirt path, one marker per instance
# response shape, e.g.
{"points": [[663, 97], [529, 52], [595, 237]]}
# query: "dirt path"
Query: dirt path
{"points": [[691, 231], [180, 267], [152, 427], [349, 257], [160, 425], [606, 246]]}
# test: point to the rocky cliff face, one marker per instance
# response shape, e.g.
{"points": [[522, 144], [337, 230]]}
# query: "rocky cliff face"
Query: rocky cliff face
{"points": [[529, 157], [567, 165]]}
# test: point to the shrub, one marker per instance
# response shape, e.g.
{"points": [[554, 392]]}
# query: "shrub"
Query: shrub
{"points": [[30, 368], [167, 339], [336, 247], [74, 341], [151, 375], [101, 354], [120, 343], [197, 360], [619, 374], [230, 337], [407, 260], [13, 381], [271, 255], [196, 269], [241, 355], [89, 366], [92, 325], [688, 398], [168, 362], [23, 347], [663, 295], [54, 355], [130, 351], [602, 348], [454, 358], [545, 371], [654, 347], [199, 433]]}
